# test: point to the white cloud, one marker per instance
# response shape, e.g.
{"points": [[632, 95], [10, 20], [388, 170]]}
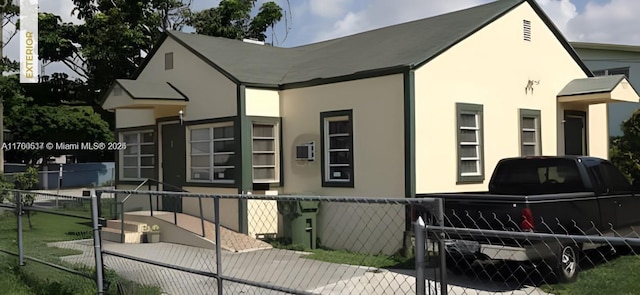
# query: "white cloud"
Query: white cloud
{"points": [[612, 22], [328, 8], [381, 13], [61, 8], [560, 11]]}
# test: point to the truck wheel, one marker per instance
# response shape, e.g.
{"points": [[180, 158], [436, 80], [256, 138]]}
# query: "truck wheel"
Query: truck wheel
{"points": [[566, 266]]}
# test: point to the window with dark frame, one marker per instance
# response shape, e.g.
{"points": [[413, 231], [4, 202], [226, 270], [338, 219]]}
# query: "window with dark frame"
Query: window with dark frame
{"points": [[138, 159], [212, 153], [265, 153], [613, 71], [337, 130], [469, 138], [530, 135]]}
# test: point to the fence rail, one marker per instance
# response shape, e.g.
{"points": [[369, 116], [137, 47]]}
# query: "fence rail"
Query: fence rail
{"points": [[260, 244]]}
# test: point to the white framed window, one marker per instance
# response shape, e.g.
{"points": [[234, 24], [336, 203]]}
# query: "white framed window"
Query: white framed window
{"points": [[470, 149], [138, 159], [211, 153], [612, 71], [337, 166], [265, 158], [530, 136]]}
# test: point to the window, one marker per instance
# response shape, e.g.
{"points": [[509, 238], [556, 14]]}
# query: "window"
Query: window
{"points": [[265, 154], [138, 159], [168, 61], [526, 30], [470, 151], [614, 71], [530, 133], [212, 153], [337, 143]]}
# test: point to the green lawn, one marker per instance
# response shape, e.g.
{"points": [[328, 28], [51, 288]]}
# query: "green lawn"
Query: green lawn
{"points": [[36, 278], [618, 277]]}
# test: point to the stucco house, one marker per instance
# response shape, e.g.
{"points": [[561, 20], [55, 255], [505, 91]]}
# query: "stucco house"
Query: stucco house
{"points": [[613, 59], [420, 107]]}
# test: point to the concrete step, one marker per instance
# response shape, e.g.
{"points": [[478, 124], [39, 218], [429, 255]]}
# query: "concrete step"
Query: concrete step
{"points": [[113, 235], [131, 226]]}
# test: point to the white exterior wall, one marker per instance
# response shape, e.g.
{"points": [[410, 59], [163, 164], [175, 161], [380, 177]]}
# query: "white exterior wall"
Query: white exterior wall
{"points": [[491, 68], [262, 102]]}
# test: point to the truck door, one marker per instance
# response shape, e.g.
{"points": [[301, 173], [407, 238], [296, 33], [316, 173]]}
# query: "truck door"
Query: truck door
{"points": [[625, 202]]}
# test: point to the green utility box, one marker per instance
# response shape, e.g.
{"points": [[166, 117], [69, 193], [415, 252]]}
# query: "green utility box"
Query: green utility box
{"points": [[300, 221]]}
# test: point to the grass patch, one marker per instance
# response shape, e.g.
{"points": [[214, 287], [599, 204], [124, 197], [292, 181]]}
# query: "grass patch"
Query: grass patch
{"points": [[347, 257], [620, 276], [35, 278], [352, 258]]}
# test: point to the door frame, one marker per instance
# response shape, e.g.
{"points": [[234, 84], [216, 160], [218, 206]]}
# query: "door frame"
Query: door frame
{"points": [[585, 129]]}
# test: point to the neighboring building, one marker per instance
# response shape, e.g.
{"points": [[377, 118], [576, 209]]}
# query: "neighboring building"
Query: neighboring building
{"points": [[613, 59], [421, 107]]}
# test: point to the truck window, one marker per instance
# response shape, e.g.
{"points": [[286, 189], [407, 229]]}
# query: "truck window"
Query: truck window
{"points": [[613, 179], [539, 176]]}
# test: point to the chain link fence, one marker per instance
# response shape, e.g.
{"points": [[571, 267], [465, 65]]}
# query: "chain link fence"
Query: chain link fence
{"points": [[259, 244]]}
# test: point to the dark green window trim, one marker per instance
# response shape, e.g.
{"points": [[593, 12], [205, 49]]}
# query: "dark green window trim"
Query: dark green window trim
{"points": [[525, 113], [476, 109], [326, 181]]}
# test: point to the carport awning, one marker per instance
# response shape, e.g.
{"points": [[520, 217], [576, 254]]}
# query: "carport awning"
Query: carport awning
{"points": [[132, 94], [594, 90]]}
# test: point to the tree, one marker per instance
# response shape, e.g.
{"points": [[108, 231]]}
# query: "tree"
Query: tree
{"points": [[625, 149], [232, 19], [26, 181]]}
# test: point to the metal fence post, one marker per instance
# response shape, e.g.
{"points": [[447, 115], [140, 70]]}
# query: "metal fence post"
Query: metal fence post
{"points": [[442, 251], [97, 242], [419, 233], [216, 211], [150, 200], [19, 216], [201, 215]]}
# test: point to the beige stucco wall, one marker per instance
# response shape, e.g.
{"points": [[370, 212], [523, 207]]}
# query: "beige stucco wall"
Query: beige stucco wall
{"points": [[262, 215], [262, 102], [378, 139], [211, 94], [492, 68], [134, 118], [228, 207], [598, 138]]}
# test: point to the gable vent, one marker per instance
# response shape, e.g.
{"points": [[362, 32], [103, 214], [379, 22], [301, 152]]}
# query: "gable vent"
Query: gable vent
{"points": [[526, 29]]}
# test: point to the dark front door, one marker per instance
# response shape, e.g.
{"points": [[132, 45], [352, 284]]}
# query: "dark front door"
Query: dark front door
{"points": [[575, 133], [173, 164]]}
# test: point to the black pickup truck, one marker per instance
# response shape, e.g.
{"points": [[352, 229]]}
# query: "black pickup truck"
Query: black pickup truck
{"points": [[558, 195]]}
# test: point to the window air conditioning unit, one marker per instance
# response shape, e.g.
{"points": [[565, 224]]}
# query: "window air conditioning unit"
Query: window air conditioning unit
{"points": [[305, 152]]}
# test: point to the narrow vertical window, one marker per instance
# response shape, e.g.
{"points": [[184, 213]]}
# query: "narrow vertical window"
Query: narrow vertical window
{"points": [[470, 150], [530, 136], [168, 61], [265, 155], [337, 131]]}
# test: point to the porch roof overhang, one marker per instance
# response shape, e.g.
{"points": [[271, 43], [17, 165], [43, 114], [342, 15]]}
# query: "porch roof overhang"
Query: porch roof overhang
{"points": [[134, 94], [595, 90]]}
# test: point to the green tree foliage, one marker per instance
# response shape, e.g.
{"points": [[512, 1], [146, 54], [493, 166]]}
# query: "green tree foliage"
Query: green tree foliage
{"points": [[26, 181], [625, 149], [232, 19]]}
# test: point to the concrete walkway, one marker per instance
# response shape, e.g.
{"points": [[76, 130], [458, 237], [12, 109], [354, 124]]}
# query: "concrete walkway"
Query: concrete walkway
{"points": [[271, 266]]}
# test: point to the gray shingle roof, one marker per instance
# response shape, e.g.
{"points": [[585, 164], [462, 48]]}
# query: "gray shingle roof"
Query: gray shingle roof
{"points": [[405, 45], [591, 85]]}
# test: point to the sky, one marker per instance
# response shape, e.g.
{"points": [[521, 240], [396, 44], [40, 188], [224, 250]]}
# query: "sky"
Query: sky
{"points": [[308, 21]]}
